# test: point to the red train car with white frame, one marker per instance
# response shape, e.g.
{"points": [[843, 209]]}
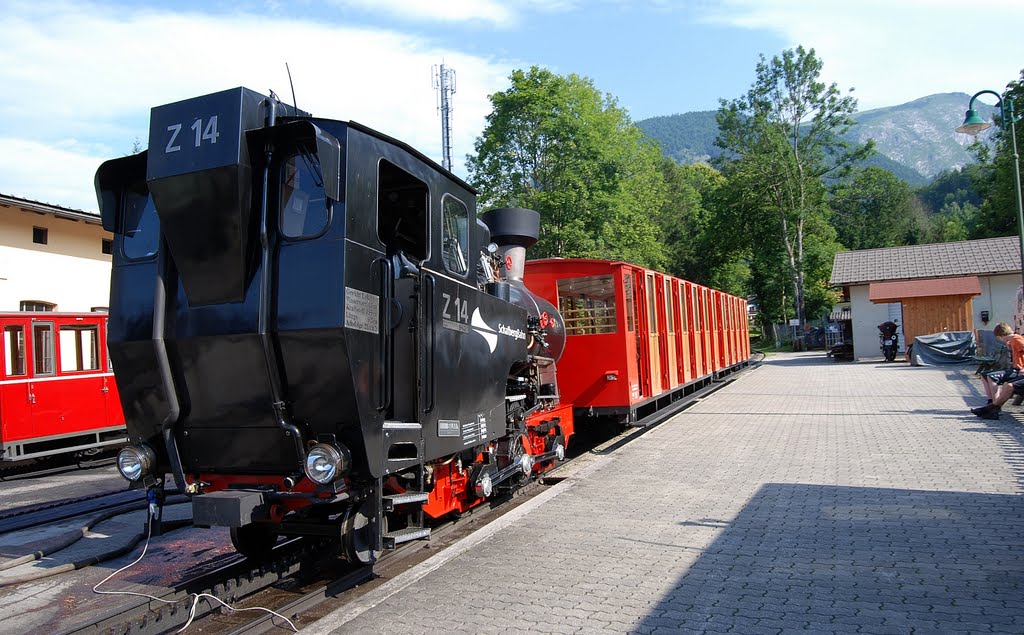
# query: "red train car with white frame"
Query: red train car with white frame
{"points": [[638, 340], [57, 390]]}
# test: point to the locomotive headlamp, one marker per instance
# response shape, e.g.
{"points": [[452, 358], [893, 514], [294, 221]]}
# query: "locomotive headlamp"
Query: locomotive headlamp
{"points": [[135, 462], [326, 462]]}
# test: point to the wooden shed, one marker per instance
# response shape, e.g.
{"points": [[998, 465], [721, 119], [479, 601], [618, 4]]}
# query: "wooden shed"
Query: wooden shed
{"points": [[930, 306], [959, 286]]}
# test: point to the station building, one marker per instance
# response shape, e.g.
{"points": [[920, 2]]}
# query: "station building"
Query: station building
{"points": [[52, 258], [969, 285]]}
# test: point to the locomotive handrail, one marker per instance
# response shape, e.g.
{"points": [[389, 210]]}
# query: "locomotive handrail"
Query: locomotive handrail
{"points": [[265, 301], [429, 287], [385, 335]]}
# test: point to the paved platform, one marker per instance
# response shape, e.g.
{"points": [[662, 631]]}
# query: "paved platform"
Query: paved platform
{"points": [[806, 495]]}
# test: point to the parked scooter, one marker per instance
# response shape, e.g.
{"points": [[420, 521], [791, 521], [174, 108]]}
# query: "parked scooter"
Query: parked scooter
{"points": [[889, 340]]}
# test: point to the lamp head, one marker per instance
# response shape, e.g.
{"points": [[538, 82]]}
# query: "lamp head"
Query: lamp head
{"points": [[973, 124]]}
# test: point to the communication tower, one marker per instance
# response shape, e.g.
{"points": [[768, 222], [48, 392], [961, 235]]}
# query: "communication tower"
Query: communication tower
{"points": [[444, 84]]}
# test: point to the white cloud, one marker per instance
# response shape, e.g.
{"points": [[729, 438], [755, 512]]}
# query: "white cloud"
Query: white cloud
{"points": [[490, 11], [75, 71], [859, 42], [50, 174]]}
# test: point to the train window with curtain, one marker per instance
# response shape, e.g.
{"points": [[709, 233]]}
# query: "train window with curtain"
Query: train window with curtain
{"points": [[42, 349], [140, 226], [14, 350], [627, 291], [79, 348], [454, 235], [403, 203], [587, 304], [305, 209], [669, 312]]}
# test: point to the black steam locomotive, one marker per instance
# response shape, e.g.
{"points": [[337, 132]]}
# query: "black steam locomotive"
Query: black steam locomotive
{"points": [[312, 331]]}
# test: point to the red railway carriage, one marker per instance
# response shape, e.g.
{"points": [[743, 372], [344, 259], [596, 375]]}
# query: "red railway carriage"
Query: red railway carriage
{"points": [[637, 340], [57, 390]]}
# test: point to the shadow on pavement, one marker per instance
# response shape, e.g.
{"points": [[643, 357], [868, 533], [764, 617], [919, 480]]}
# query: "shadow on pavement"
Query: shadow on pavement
{"points": [[843, 559]]}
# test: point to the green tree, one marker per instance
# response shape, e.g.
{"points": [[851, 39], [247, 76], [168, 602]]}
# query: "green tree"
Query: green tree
{"points": [[555, 144], [997, 215], [875, 209], [781, 139], [685, 218]]}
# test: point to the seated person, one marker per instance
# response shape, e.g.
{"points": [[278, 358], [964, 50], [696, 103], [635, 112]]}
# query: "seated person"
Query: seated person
{"points": [[999, 384]]}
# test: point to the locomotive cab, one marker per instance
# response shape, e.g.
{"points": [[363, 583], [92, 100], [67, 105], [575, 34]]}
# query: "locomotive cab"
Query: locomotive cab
{"points": [[299, 333]]}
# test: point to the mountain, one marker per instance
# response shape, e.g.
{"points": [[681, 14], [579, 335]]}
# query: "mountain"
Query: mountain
{"points": [[915, 140]]}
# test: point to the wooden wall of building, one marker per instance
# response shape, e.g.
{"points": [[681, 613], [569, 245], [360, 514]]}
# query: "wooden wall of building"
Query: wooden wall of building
{"points": [[924, 316]]}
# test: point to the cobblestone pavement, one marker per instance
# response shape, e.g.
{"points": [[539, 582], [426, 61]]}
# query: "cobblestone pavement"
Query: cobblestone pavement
{"points": [[806, 495]]}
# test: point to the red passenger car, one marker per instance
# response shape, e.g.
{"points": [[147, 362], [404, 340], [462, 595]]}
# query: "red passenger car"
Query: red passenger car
{"points": [[57, 390], [637, 340]]}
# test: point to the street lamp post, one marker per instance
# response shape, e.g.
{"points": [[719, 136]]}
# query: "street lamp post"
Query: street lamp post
{"points": [[973, 124]]}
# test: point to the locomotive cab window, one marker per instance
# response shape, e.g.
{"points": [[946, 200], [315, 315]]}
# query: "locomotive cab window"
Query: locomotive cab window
{"points": [[79, 348], [14, 350], [305, 209], [587, 305], [42, 348], [402, 206], [140, 226], [454, 235]]}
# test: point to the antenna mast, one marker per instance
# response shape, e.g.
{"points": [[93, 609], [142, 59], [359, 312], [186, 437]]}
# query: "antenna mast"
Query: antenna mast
{"points": [[444, 83]]}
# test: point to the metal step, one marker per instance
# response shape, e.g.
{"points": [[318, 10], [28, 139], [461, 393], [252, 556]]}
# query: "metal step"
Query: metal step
{"points": [[391, 501], [392, 540]]}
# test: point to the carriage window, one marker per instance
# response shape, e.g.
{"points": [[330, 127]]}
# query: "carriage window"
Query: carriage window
{"points": [[698, 322], [652, 306], [683, 326], [37, 305], [79, 348], [671, 315], [140, 227], [627, 281], [14, 350], [305, 210], [587, 305], [402, 206], [454, 237], [42, 349]]}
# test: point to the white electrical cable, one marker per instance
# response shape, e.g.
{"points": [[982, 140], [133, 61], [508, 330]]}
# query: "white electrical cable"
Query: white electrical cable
{"points": [[196, 596]]}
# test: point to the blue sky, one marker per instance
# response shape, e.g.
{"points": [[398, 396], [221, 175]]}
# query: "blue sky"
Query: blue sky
{"points": [[79, 78]]}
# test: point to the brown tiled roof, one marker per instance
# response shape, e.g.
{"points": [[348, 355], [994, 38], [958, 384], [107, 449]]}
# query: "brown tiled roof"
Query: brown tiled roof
{"points": [[883, 292], [938, 260]]}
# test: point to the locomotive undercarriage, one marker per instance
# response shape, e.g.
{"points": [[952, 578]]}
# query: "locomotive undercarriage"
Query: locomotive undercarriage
{"points": [[361, 520]]}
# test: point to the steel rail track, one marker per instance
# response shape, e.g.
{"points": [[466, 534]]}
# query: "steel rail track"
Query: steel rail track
{"points": [[241, 579], [45, 513]]}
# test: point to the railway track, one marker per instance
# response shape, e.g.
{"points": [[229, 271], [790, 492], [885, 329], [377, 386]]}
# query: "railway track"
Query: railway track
{"points": [[296, 584]]}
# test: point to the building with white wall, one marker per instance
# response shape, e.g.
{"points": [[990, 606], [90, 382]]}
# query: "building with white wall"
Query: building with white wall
{"points": [[951, 286], [52, 258]]}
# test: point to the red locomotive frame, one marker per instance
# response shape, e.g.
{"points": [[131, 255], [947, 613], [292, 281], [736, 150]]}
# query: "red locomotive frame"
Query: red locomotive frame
{"points": [[57, 389], [637, 339]]}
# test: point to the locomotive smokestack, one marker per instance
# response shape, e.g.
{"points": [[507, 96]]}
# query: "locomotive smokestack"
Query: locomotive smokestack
{"points": [[513, 229]]}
